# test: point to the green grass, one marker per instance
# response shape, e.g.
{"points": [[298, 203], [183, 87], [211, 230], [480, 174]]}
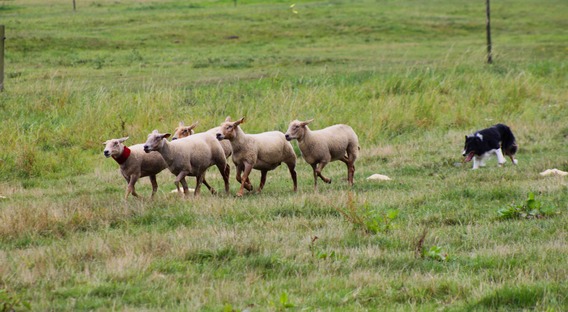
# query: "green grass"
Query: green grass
{"points": [[409, 76]]}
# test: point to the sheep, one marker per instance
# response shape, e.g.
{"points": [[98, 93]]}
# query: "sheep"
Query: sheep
{"points": [[264, 151], [183, 131], [320, 147], [189, 156], [135, 163]]}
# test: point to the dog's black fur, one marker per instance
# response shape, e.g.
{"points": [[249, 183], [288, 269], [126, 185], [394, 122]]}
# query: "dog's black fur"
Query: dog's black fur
{"points": [[498, 139]]}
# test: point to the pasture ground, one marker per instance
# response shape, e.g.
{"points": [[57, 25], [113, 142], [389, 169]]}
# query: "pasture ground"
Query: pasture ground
{"points": [[408, 76]]}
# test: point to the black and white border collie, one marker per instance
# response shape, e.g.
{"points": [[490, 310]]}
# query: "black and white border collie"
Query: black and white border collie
{"points": [[497, 140]]}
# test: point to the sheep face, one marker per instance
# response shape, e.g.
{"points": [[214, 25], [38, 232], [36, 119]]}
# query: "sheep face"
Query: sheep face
{"points": [[183, 131], [296, 129], [228, 129], [155, 141], [114, 147]]}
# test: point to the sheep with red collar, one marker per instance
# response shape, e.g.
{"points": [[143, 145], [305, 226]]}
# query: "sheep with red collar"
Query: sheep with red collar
{"points": [[135, 163]]}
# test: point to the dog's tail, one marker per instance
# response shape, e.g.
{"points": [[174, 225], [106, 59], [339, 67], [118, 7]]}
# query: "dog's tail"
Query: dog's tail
{"points": [[508, 141]]}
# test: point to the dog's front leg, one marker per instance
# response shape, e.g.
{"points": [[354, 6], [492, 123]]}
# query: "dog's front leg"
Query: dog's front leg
{"points": [[476, 162]]}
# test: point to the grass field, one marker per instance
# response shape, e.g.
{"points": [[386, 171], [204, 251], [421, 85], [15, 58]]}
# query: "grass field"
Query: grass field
{"points": [[409, 76]]}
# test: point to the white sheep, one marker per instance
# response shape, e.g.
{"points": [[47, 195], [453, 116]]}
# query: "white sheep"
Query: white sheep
{"points": [[263, 151], [320, 147], [135, 163], [183, 131], [189, 156]]}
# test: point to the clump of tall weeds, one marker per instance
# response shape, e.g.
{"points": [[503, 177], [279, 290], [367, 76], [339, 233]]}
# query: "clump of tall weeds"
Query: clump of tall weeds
{"points": [[367, 218], [530, 209]]}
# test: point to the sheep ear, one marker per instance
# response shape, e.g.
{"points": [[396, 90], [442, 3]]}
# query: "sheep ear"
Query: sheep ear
{"points": [[228, 119], [155, 131], [193, 125], [167, 135], [123, 139], [181, 124], [240, 121], [304, 123]]}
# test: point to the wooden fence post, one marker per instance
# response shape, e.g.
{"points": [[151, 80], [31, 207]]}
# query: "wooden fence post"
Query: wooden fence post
{"points": [[488, 24], [2, 58]]}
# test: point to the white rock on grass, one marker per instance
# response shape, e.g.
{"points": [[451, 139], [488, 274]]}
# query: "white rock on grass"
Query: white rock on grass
{"points": [[554, 171], [189, 190], [379, 177]]}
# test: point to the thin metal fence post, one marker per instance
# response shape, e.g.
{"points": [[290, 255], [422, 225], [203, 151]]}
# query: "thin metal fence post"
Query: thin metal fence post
{"points": [[2, 37]]}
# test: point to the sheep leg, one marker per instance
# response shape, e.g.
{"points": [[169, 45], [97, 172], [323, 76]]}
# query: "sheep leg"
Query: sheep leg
{"points": [[226, 178], [263, 174], [154, 185], [225, 173], [292, 169], [314, 167], [319, 169], [244, 178], [198, 180], [130, 189], [185, 187], [345, 160], [209, 187], [350, 169], [181, 178], [350, 173], [248, 185]]}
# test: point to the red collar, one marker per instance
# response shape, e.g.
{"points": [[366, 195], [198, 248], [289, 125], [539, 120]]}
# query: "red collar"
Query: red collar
{"points": [[123, 157]]}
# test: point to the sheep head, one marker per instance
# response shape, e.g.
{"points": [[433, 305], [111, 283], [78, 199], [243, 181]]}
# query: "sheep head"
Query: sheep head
{"points": [[228, 129], [155, 141], [296, 129], [182, 131], [114, 147]]}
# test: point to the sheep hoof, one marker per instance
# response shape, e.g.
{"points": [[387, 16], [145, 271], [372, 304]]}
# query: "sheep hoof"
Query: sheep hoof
{"points": [[213, 191], [328, 181], [239, 194]]}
